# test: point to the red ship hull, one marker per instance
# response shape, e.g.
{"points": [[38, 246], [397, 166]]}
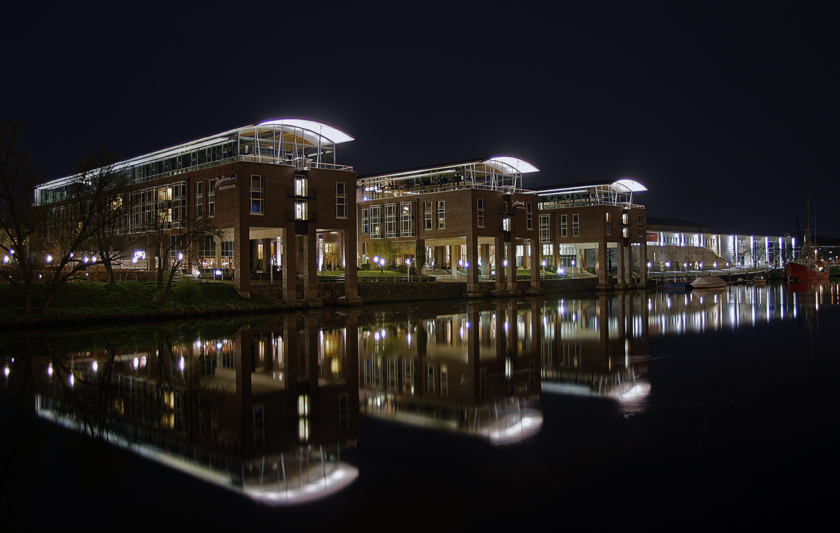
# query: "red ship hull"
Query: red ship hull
{"points": [[803, 272]]}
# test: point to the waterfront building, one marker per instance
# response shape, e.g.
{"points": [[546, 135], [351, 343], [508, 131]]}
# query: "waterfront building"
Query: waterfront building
{"points": [[595, 228], [472, 219], [680, 245], [275, 190]]}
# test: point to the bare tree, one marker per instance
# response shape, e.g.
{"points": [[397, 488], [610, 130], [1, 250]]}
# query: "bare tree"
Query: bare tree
{"points": [[111, 235], [19, 223], [174, 238]]}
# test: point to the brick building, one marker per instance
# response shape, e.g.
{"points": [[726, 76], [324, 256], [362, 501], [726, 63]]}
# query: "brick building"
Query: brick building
{"points": [[274, 189], [595, 227], [471, 217]]}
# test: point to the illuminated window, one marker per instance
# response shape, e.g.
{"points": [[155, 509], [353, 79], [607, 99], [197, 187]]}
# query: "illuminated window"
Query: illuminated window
{"points": [[441, 215], [506, 225], [301, 210], [609, 223], [376, 222], [407, 219], [391, 220], [444, 380], [257, 195], [481, 212], [428, 216], [545, 228], [365, 222], [301, 186]]}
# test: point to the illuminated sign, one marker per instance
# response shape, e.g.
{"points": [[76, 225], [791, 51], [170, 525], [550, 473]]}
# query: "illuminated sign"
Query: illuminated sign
{"points": [[226, 182]]}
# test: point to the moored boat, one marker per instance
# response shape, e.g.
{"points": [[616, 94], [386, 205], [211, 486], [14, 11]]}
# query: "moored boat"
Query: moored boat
{"points": [[804, 268], [708, 282]]}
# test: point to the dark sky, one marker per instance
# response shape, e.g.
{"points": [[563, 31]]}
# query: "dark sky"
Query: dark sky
{"points": [[726, 111]]}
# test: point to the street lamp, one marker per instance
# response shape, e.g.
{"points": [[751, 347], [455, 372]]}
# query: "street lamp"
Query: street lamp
{"points": [[408, 268]]}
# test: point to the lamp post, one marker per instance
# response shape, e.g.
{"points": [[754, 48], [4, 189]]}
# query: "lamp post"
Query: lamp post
{"points": [[408, 268]]}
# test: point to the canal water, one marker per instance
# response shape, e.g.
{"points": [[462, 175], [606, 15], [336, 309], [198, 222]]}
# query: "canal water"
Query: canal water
{"points": [[708, 408]]}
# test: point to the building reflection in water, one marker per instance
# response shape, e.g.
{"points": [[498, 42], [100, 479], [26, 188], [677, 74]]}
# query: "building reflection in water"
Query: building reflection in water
{"points": [[475, 372], [597, 347], [265, 410]]}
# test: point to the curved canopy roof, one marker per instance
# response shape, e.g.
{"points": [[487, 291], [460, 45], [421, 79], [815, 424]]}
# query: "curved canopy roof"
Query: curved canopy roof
{"points": [[325, 130], [626, 184], [520, 165]]}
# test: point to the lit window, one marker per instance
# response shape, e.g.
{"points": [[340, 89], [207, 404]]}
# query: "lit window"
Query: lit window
{"points": [[257, 195], [441, 215], [407, 219]]}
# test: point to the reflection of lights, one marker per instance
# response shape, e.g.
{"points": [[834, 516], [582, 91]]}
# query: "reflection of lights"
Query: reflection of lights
{"points": [[181, 364], [94, 366], [50, 370], [135, 363], [376, 335], [218, 345], [71, 380]]}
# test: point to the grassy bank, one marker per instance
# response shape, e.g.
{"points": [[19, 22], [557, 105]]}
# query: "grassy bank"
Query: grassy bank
{"points": [[93, 300]]}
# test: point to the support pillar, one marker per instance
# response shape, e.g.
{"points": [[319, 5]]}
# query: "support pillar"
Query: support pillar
{"points": [[536, 266], [288, 247], [473, 288], [242, 262], [310, 272], [351, 285]]}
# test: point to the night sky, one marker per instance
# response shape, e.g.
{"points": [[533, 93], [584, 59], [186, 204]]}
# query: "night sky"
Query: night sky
{"points": [[726, 111]]}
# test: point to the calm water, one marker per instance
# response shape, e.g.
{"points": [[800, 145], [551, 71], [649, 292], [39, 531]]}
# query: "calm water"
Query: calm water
{"points": [[707, 408]]}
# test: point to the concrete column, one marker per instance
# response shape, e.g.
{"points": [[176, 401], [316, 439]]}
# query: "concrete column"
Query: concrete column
{"points": [[535, 266], [472, 259], [601, 267], [511, 257], [643, 262], [454, 257], [242, 260], [288, 247], [310, 272], [500, 266], [351, 285]]}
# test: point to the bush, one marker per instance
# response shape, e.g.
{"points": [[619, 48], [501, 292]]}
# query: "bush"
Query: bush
{"points": [[365, 266], [187, 290]]}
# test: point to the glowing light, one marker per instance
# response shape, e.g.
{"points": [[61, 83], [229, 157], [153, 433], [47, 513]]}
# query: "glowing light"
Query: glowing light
{"points": [[180, 256], [49, 258], [94, 366], [505, 262], [7, 371], [135, 363], [181, 364], [49, 370], [71, 380], [5, 258]]}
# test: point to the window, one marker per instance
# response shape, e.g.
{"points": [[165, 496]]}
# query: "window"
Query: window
{"points": [[407, 219], [365, 222], [444, 380], [441, 215], [199, 199], [641, 229], [301, 210], [376, 222], [575, 225], [211, 198], [430, 378], [481, 213], [545, 228], [391, 220], [257, 195], [564, 225], [506, 225], [427, 216], [341, 200], [529, 215], [609, 224], [301, 186]]}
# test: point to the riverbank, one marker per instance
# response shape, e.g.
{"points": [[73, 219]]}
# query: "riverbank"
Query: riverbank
{"points": [[130, 302], [91, 303]]}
